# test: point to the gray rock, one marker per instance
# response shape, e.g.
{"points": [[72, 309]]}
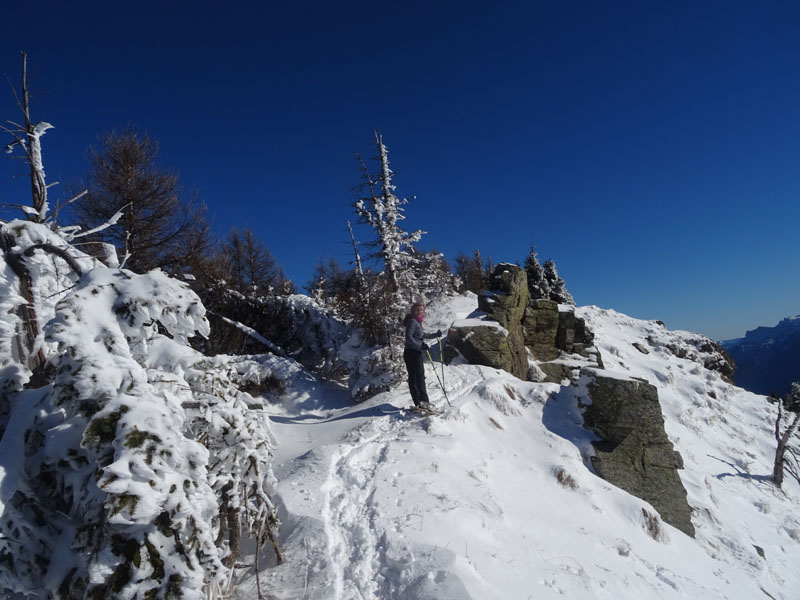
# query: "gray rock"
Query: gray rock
{"points": [[541, 321], [481, 345], [556, 372], [537, 326], [506, 304], [636, 453]]}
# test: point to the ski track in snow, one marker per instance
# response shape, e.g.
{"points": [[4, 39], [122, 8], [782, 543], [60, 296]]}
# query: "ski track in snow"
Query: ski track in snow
{"points": [[348, 514]]}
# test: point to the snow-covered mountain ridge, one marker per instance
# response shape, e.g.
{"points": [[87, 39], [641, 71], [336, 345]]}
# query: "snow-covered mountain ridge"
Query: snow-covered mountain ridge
{"points": [[767, 357], [496, 498]]}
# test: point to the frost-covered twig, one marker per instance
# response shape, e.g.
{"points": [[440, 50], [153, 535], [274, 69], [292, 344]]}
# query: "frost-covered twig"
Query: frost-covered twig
{"points": [[112, 221]]}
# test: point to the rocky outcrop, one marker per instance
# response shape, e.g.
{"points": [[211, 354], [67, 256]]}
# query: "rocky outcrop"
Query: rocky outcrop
{"points": [[506, 304], [538, 328], [636, 455], [541, 329]]}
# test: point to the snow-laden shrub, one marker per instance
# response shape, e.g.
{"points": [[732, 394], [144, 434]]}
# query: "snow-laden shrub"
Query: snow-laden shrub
{"points": [[138, 455], [132, 489], [229, 423]]}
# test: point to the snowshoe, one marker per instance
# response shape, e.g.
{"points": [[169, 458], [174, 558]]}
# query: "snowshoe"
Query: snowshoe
{"points": [[425, 410]]}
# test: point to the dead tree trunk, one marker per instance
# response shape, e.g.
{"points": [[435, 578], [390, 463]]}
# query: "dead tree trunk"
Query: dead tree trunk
{"points": [[783, 444]]}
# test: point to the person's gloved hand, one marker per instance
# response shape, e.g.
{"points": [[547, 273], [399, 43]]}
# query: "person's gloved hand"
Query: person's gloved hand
{"points": [[439, 333], [424, 346]]}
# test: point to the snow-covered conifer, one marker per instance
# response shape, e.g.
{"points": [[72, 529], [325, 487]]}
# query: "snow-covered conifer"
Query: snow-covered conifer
{"points": [[537, 283], [114, 454], [383, 210], [558, 287]]}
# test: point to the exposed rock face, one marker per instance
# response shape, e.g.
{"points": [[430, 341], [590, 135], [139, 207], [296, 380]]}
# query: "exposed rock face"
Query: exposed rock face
{"points": [[636, 454], [506, 304], [573, 336], [537, 326], [541, 329], [550, 331]]}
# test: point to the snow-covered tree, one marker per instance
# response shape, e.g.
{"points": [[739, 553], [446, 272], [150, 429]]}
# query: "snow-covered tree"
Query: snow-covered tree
{"points": [[431, 275], [131, 464], [26, 143], [558, 288], [112, 443], [382, 210], [537, 283]]}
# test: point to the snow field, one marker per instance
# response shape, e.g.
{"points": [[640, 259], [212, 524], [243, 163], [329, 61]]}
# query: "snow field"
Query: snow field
{"points": [[496, 499]]}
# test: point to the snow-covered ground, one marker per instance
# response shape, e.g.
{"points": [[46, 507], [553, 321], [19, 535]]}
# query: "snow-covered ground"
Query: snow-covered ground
{"points": [[494, 499]]}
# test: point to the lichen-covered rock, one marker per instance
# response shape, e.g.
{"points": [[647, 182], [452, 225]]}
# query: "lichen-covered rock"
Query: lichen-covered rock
{"points": [[481, 343], [506, 304], [636, 454], [541, 328], [555, 372]]}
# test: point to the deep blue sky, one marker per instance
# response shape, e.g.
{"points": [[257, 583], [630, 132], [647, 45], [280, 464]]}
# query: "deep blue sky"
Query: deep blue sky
{"points": [[652, 149]]}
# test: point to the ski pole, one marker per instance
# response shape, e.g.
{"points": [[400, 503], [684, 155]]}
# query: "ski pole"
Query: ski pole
{"points": [[441, 358], [441, 385]]}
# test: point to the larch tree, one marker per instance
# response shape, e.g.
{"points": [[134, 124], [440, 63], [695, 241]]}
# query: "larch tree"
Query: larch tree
{"points": [[158, 227], [251, 265], [472, 271]]}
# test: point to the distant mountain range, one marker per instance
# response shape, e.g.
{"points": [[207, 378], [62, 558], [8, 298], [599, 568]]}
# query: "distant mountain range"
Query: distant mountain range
{"points": [[768, 358]]}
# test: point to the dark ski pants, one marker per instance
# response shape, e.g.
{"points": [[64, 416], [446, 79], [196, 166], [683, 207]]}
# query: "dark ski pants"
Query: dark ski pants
{"points": [[416, 376]]}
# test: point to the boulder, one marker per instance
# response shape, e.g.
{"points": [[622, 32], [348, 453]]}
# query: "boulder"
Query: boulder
{"points": [[636, 453], [556, 372], [480, 342]]}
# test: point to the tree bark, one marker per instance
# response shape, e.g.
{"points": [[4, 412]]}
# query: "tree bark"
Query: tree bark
{"points": [[783, 445]]}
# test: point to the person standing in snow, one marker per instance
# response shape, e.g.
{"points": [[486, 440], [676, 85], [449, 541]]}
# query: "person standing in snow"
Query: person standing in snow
{"points": [[412, 355]]}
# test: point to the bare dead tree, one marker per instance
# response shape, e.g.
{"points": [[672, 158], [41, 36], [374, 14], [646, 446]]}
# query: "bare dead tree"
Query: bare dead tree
{"points": [[27, 138], [357, 256], [786, 456]]}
